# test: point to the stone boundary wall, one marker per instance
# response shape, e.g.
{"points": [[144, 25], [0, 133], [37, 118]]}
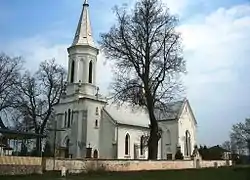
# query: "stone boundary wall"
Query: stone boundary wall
{"points": [[20, 169], [14, 165], [17, 165], [77, 166], [19, 160]]}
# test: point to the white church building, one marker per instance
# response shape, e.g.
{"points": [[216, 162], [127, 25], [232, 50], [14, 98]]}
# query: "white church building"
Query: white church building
{"points": [[86, 121]]}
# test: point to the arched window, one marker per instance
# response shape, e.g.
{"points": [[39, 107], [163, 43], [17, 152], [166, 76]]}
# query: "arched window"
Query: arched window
{"points": [[65, 119], [142, 145], [72, 71], [127, 142], [97, 111], [168, 137], [90, 71], [96, 123], [69, 115], [187, 143]]}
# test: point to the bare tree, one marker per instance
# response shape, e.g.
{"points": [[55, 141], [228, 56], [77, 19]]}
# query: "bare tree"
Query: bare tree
{"points": [[40, 93], [240, 135], [10, 68], [147, 55], [227, 145]]}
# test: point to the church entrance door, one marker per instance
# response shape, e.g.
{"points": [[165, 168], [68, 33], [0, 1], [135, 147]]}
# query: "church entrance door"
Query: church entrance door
{"points": [[95, 154], [67, 149]]}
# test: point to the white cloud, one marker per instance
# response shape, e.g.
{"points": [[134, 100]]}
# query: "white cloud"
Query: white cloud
{"points": [[37, 49], [213, 46], [216, 47], [177, 6]]}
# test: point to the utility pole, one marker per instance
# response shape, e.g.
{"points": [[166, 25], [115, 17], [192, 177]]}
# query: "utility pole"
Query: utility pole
{"points": [[55, 130]]}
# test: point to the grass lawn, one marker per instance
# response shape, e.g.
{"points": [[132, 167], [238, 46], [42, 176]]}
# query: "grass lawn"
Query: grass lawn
{"points": [[195, 174]]}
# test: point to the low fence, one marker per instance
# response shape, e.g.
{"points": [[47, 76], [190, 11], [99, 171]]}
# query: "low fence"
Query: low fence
{"points": [[76, 166]]}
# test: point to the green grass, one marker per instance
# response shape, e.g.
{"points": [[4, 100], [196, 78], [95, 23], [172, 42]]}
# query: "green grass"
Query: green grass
{"points": [[195, 174]]}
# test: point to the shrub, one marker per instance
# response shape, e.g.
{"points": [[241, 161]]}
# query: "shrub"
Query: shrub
{"points": [[179, 154]]}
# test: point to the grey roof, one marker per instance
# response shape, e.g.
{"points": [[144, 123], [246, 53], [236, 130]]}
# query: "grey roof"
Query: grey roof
{"points": [[128, 115], [137, 116], [14, 134], [171, 112]]}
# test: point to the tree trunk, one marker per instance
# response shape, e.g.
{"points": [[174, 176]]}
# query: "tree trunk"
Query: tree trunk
{"points": [[38, 145], [154, 137], [153, 144]]}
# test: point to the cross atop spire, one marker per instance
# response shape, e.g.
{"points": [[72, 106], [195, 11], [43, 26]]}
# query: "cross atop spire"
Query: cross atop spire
{"points": [[83, 35], [86, 2]]}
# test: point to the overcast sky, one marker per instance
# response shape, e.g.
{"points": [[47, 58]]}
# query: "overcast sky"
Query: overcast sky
{"points": [[216, 39]]}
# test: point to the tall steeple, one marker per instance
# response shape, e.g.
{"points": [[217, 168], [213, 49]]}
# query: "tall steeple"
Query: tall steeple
{"points": [[83, 57], [83, 35]]}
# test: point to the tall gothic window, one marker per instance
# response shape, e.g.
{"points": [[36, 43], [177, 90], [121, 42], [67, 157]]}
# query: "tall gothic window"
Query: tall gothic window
{"points": [[69, 115], [168, 139], [127, 142], [65, 119], [72, 71], [96, 123], [187, 143], [90, 72], [142, 145]]}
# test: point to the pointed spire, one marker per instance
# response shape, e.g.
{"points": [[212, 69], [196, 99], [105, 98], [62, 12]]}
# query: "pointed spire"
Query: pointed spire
{"points": [[83, 35]]}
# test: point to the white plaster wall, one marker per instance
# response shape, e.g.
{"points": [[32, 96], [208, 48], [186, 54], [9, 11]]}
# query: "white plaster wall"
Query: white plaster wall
{"points": [[186, 122], [135, 135], [172, 126], [93, 131], [73, 131], [108, 131]]}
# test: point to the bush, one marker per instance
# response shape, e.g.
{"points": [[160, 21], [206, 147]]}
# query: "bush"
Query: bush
{"points": [[179, 154]]}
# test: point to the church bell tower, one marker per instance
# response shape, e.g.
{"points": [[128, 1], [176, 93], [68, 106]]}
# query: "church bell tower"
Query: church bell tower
{"points": [[83, 57], [79, 110]]}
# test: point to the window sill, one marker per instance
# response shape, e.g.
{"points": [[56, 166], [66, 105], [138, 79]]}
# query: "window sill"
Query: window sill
{"points": [[127, 156]]}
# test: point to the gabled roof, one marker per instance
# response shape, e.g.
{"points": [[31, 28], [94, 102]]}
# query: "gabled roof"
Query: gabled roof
{"points": [[174, 111], [137, 116], [218, 149]]}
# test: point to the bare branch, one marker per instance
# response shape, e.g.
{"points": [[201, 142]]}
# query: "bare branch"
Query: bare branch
{"points": [[146, 51], [10, 68], [39, 94]]}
